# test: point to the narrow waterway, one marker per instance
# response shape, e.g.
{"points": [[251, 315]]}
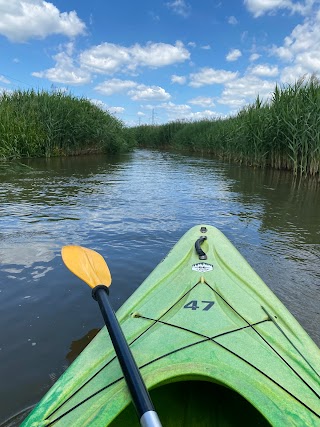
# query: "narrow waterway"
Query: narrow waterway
{"points": [[132, 209]]}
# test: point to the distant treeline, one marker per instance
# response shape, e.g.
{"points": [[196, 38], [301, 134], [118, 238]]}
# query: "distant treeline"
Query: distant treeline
{"points": [[283, 133], [43, 124]]}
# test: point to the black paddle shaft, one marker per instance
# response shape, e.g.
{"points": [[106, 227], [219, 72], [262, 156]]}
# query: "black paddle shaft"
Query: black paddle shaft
{"points": [[137, 388]]}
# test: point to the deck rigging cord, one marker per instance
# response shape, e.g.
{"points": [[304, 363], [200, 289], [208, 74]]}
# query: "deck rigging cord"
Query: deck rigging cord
{"points": [[205, 338], [272, 348]]}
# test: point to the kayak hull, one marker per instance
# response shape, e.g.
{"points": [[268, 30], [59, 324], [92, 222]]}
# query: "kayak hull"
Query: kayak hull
{"points": [[214, 345]]}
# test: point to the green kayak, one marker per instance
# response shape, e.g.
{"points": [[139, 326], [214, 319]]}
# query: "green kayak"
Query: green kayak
{"points": [[214, 345]]}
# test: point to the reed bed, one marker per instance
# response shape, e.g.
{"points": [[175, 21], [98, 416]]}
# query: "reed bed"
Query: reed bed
{"points": [[283, 133], [43, 124]]}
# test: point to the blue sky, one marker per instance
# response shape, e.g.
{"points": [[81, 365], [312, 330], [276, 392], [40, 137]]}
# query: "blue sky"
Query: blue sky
{"points": [[161, 60]]}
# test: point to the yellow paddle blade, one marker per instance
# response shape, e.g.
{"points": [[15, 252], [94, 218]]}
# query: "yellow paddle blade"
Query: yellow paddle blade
{"points": [[87, 264]]}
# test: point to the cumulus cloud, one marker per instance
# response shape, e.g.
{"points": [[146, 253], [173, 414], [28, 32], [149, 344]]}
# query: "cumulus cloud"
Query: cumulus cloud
{"points": [[233, 55], [104, 107], [148, 93], [21, 20], [210, 76], [181, 80], [254, 57], [265, 70], [232, 20], [65, 71], [180, 7], [202, 101], [301, 50], [184, 112], [176, 110], [136, 91], [260, 7], [108, 58], [204, 115], [244, 90], [98, 103], [116, 110], [109, 87]]}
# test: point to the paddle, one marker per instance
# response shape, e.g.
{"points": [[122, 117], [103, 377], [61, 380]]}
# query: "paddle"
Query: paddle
{"points": [[90, 266]]}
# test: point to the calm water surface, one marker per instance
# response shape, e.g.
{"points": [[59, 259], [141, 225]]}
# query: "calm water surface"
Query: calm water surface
{"points": [[132, 209]]}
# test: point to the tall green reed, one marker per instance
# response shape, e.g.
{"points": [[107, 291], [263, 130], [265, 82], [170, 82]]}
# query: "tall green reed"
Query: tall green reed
{"points": [[282, 133], [43, 124]]}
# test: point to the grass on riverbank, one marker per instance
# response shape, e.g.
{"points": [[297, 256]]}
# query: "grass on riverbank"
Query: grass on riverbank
{"points": [[43, 124], [283, 133]]}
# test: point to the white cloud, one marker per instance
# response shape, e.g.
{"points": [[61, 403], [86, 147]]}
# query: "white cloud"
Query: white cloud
{"points": [[104, 107], [232, 20], [181, 80], [192, 44], [202, 101], [64, 71], [232, 102], [148, 93], [265, 70], [203, 115], [98, 103], [244, 90], [21, 20], [116, 110], [180, 7], [260, 7], [301, 50], [176, 110], [108, 58], [210, 76], [184, 112], [233, 55], [4, 80], [109, 87], [254, 57], [206, 47], [137, 92]]}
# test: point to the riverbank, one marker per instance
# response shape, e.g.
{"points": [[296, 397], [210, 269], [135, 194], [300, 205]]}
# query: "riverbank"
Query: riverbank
{"points": [[282, 134], [45, 124]]}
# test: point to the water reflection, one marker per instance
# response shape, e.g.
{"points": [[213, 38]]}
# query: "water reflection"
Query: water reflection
{"points": [[287, 203], [77, 346]]}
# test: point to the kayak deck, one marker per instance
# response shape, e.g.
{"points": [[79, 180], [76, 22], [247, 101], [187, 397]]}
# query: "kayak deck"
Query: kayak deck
{"points": [[213, 343]]}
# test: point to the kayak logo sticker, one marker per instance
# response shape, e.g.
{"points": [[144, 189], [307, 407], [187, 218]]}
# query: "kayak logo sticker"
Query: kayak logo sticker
{"points": [[202, 267]]}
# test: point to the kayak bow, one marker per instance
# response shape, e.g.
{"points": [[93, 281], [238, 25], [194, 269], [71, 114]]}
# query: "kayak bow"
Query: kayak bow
{"points": [[214, 346]]}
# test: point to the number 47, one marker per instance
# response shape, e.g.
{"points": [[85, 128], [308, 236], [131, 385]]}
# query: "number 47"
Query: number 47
{"points": [[194, 305]]}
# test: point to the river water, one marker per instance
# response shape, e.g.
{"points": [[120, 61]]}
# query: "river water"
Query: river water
{"points": [[132, 208]]}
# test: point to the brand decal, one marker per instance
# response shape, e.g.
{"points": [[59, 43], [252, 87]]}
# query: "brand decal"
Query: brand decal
{"points": [[202, 267]]}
